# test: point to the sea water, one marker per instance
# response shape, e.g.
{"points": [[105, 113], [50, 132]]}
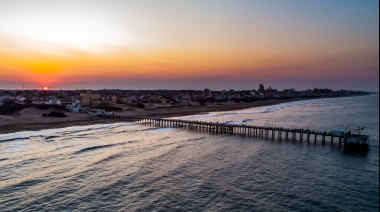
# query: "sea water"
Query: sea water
{"points": [[130, 167]]}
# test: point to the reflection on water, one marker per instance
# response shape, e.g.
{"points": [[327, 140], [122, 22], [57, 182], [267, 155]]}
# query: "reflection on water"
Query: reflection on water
{"points": [[126, 166]]}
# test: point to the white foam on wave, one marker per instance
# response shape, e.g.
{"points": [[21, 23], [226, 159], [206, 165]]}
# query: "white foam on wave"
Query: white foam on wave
{"points": [[329, 105], [254, 110], [60, 131], [165, 129], [234, 122]]}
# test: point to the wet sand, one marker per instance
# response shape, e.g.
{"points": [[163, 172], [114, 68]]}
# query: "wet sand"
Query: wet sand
{"points": [[30, 119]]}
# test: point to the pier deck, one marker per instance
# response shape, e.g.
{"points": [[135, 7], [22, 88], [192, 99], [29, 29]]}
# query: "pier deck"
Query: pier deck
{"points": [[272, 133]]}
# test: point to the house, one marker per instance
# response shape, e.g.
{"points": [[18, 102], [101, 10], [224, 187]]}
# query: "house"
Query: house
{"points": [[3, 99], [38, 101], [158, 99], [96, 111], [53, 102], [20, 100], [74, 107]]}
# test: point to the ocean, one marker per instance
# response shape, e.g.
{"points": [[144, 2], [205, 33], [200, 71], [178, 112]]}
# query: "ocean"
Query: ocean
{"points": [[131, 167]]}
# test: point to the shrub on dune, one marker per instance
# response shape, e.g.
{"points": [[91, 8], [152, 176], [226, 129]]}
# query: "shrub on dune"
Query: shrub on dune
{"points": [[56, 114]]}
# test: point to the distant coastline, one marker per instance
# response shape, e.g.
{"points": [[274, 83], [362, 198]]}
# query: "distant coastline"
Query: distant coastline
{"points": [[30, 119]]}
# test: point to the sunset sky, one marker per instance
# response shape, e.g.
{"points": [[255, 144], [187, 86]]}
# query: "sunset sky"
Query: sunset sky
{"points": [[172, 44]]}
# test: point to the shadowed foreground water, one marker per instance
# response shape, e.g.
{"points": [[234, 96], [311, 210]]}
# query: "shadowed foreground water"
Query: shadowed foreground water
{"points": [[127, 167]]}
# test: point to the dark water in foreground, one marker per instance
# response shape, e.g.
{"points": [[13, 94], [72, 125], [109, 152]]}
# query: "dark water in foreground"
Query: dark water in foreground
{"points": [[128, 167]]}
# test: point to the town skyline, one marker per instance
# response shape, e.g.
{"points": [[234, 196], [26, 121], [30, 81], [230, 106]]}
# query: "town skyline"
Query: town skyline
{"points": [[189, 45], [188, 88], [110, 100]]}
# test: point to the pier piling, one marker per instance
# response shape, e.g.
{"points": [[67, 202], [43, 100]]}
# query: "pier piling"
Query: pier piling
{"points": [[251, 131]]}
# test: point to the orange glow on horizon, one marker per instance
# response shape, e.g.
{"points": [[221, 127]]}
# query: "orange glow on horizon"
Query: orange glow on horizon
{"points": [[46, 88]]}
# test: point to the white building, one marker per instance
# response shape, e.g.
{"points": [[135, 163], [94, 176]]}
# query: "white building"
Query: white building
{"points": [[53, 102], [20, 100], [74, 107]]}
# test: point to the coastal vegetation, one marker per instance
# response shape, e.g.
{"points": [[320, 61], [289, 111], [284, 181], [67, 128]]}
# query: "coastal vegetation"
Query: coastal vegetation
{"points": [[140, 105], [107, 107], [57, 107], [58, 114], [10, 107]]}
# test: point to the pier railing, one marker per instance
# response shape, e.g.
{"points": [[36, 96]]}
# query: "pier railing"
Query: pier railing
{"points": [[272, 133]]}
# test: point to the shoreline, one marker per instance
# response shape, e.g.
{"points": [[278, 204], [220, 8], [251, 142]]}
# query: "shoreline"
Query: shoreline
{"points": [[201, 110], [30, 119]]}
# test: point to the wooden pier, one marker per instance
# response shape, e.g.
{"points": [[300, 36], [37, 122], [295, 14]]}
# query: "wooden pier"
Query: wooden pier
{"points": [[270, 133]]}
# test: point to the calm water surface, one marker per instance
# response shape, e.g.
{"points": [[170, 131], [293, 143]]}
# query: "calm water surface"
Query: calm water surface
{"points": [[129, 167]]}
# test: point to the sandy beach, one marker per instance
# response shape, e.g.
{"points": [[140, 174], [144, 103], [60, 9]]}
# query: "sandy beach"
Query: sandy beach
{"points": [[31, 119]]}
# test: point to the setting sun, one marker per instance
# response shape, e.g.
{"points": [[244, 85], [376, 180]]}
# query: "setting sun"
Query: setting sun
{"points": [[46, 88]]}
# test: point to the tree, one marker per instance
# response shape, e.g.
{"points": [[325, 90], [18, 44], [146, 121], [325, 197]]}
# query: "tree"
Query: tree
{"points": [[18, 93], [28, 101]]}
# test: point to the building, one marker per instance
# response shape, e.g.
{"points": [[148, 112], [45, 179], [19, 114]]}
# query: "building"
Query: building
{"points": [[207, 92], [89, 98], [158, 99], [261, 91], [269, 92], [290, 92], [261, 88], [53, 101], [74, 107]]}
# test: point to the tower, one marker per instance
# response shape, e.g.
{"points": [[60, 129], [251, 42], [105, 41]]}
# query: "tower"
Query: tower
{"points": [[261, 88]]}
